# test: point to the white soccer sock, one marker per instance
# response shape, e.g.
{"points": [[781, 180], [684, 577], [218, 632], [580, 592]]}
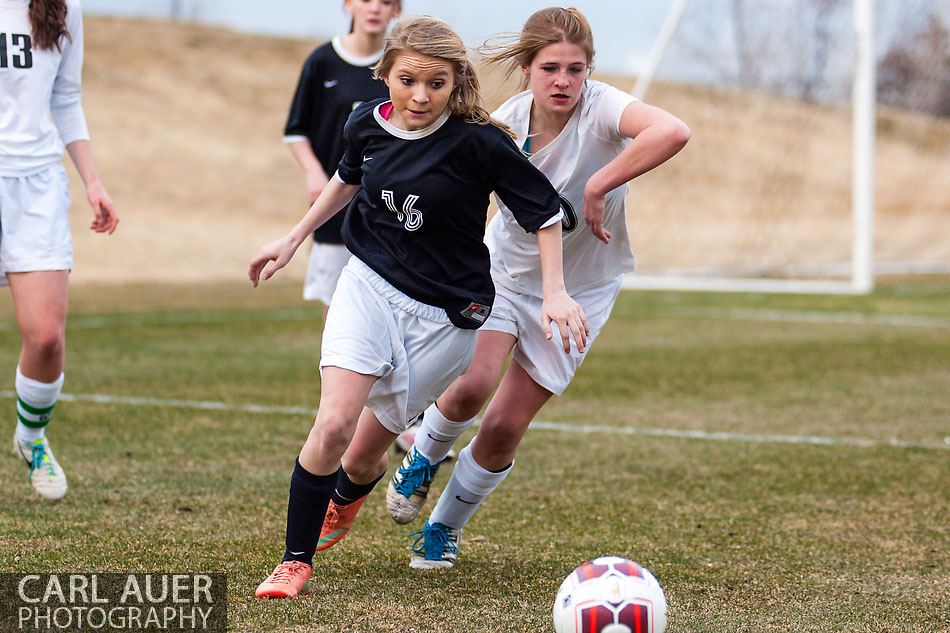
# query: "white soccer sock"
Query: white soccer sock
{"points": [[34, 405], [467, 488], [435, 437]]}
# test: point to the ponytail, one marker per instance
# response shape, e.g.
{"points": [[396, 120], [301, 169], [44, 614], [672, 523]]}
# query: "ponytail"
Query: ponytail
{"points": [[48, 21]]}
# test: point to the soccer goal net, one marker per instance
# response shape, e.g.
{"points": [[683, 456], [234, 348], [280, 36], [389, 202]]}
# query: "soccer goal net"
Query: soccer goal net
{"points": [[795, 179]]}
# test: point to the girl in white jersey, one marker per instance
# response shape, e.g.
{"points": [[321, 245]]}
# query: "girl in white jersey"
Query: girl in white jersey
{"points": [[336, 78], [41, 49], [578, 133]]}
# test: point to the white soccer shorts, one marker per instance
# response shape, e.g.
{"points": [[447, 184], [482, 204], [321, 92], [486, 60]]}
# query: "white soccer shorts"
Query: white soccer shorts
{"points": [[373, 328], [545, 361], [34, 222], [323, 271]]}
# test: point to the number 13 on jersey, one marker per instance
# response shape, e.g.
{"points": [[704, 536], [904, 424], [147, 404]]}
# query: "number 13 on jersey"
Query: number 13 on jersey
{"points": [[21, 53]]}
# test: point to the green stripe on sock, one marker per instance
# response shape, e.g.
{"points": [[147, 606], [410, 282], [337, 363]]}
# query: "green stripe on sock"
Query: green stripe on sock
{"points": [[33, 424], [35, 410]]}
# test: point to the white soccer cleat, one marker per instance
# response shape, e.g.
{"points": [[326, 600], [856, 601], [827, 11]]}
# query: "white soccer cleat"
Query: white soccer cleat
{"points": [[436, 547], [46, 474], [409, 487]]}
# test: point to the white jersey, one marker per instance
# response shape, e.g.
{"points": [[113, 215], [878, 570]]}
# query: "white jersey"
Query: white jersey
{"points": [[590, 140], [40, 90]]}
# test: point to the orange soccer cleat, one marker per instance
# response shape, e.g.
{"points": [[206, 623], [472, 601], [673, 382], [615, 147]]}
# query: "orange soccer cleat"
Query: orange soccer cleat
{"points": [[288, 579], [337, 522]]}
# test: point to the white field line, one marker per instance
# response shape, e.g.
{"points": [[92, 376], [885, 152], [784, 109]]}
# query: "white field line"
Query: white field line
{"points": [[178, 318], [544, 426], [804, 316]]}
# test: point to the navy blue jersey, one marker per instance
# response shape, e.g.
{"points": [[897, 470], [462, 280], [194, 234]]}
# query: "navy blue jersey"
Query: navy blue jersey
{"points": [[419, 216], [331, 84]]}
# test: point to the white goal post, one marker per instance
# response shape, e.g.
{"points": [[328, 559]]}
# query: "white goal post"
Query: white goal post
{"points": [[863, 103]]}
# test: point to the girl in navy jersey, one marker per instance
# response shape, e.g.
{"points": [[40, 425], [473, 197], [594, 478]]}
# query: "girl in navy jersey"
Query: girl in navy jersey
{"points": [[336, 78], [41, 49], [417, 173], [589, 139]]}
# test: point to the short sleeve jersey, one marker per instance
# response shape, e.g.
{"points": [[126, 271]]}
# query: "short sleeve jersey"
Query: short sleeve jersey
{"points": [[418, 219], [590, 140], [332, 83], [40, 91]]}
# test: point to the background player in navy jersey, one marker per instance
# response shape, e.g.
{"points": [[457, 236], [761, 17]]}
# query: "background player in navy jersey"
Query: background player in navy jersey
{"points": [[41, 49], [578, 133], [336, 78], [417, 172]]}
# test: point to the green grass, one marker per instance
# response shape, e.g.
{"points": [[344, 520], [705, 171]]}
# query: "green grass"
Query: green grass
{"points": [[752, 536]]}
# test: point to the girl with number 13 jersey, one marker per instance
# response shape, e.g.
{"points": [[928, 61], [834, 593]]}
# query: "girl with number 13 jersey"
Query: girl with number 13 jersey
{"points": [[41, 116]]}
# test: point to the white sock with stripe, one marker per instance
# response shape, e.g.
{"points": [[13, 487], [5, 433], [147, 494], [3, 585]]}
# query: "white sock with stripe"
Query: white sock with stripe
{"points": [[469, 485], [34, 405], [435, 437]]}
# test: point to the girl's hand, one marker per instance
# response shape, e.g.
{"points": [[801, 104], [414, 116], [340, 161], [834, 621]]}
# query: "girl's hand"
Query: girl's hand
{"points": [[570, 320], [105, 219], [279, 251], [594, 214]]}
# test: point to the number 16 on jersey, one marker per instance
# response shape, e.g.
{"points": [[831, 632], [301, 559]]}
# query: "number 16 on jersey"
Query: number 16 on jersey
{"points": [[411, 218]]}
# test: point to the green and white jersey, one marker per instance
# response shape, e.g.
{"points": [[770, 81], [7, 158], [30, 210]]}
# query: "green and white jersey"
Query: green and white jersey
{"points": [[590, 140], [40, 91]]}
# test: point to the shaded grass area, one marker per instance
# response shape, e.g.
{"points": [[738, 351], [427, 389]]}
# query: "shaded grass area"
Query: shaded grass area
{"points": [[744, 536]]}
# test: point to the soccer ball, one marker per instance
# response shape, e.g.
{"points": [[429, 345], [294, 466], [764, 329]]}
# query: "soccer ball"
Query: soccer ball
{"points": [[610, 595]]}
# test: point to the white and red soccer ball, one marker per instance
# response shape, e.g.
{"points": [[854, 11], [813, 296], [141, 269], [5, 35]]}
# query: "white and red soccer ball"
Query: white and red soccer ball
{"points": [[610, 595]]}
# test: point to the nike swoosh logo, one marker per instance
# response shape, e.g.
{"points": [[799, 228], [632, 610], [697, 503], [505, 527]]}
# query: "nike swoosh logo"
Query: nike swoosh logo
{"points": [[435, 439], [330, 83], [337, 492], [366, 159], [296, 553], [471, 503]]}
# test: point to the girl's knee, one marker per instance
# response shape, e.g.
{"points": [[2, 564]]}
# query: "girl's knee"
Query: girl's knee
{"points": [[470, 393], [333, 431], [499, 437], [364, 468], [45, 343]]}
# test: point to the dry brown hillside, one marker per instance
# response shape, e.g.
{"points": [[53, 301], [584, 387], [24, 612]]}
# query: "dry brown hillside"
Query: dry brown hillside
{"points": [[186, 124]]}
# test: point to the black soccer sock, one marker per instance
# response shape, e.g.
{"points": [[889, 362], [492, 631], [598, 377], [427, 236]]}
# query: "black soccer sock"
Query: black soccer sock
{"points": [[309, 498], [346, 492]]}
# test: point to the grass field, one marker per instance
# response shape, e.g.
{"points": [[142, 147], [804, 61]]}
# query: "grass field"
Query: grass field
{"points": [[780, 463]]}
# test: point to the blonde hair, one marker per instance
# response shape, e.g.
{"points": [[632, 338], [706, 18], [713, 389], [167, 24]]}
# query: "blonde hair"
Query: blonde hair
{"points": [[432, 37], [543, 28]]}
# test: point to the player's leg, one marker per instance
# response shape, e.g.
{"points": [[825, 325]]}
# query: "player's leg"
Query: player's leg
{"points": [[36, 253], [538, 370], [481, 467], [363, 465], [40, 299], [455, 410], [443, 423], [342, 396], [439, 354]]}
